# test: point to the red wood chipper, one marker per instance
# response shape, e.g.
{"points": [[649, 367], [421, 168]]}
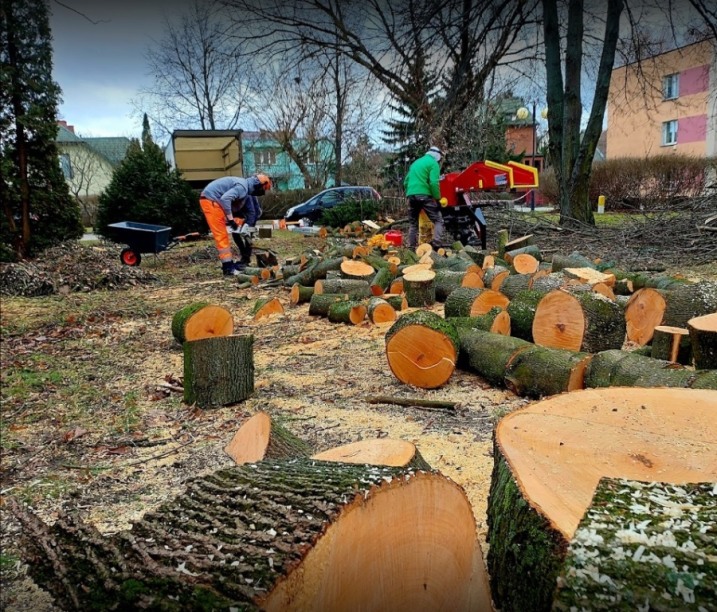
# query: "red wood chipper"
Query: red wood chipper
{"points": [[463, 218]]}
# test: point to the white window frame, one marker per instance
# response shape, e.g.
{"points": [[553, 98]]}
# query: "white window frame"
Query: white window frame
{"points": [[265, 157], [671, 86], [66, 166], [669, 135]]}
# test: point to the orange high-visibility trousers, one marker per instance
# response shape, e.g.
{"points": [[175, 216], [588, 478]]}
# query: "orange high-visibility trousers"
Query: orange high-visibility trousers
{"points": [[217, 221]]}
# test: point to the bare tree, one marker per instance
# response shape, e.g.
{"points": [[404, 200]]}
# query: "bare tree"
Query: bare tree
{"points": [[197, 75], [86, 169]]}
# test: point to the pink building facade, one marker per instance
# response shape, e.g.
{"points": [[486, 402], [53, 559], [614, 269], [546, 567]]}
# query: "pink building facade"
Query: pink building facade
{"points": [[666, 104]]}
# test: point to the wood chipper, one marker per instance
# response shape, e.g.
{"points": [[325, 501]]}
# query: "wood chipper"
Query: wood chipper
{"points": [[463, 218]]}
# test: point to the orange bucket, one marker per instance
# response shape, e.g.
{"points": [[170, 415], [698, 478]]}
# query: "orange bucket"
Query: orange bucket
{"points": [[394, 237]]}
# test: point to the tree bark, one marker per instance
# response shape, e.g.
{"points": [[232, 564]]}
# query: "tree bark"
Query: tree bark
{"points": [[496, 321], [521, 310], [321, 302], [262, 437], [356, 289], [349, 312], [473, 301], [201, 320], [420, 288], [488, 354], [218, 371], [540, 372], [300, 294], [380, 311], [549, 458], [671, 344], [703, 339]]}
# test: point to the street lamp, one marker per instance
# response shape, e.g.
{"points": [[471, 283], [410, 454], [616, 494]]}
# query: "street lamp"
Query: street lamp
{"points": [[522, 113]]}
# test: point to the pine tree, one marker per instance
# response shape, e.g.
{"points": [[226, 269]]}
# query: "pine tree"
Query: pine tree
{"points": [[38, 210], [144, 189]]}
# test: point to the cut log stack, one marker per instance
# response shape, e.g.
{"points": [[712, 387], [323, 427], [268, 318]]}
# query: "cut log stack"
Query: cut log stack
{"points": [[549, 459]]}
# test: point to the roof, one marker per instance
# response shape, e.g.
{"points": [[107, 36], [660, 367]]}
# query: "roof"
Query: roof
{"points": [[65, 135], [205, 133], [113, 148]]}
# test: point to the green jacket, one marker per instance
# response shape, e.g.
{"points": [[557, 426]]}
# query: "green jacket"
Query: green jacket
{"points": [[422, 177]]}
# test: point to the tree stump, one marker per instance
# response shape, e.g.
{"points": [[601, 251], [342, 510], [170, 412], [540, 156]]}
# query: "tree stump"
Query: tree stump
{"points": [[320, 303], [671, 344], [550, 456], [218, 371], [703, 338], [420, 288], [473, 301], [540, 372], [348, 312], [381, 451], [488, 354], [586, 322], [300, 535], [613, 543], [521, 310], [201, 320], [422, 348], [265, 307], [380, 311], [262, 437], [355, 289], [300, 294], [496, 321]]}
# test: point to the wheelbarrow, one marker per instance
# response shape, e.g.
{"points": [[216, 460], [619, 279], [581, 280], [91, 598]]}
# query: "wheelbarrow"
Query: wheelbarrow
{"points": [[144, 238]]}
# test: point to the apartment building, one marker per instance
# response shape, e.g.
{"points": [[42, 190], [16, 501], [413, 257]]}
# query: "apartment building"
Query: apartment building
{"points": [[667, 103]]}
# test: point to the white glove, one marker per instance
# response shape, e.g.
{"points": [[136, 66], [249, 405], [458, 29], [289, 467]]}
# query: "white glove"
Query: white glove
{"points": [[247, 230]]}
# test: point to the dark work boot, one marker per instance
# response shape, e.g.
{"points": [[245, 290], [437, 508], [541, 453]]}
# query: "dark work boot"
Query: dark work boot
{"points": [[229, 268]]}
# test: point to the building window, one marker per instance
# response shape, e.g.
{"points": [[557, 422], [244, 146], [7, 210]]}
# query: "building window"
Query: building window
{"points": [[669, 132], [66, 166], [671, 86], [265, 157]]}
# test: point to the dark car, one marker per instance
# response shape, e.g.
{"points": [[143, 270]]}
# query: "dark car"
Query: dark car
{"points": [[314, 206]]}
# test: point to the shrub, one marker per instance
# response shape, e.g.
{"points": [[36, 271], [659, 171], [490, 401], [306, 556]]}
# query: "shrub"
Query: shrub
{"points": [[349, 211]]}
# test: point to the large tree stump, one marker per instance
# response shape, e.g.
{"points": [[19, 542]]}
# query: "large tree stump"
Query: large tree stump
{"points": [[587, 322], [488, 354], [671, 344], [422, 349], [540, 372], [201, 320], [628, 552], [703, 338], [218, 371], [473, 301], [262, 437], [299, 535], [380, 451], [420, 288], [550, 456]]}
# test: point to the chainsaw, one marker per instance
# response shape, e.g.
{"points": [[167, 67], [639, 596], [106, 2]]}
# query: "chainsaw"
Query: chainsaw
{"points": [[463, 218]]}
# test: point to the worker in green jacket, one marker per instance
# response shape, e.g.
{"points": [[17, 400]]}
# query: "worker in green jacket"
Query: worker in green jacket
{"points": [[423, 193]]}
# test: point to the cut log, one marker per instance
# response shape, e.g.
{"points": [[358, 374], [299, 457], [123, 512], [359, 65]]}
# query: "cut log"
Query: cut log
{"points": [[397, 302], [574, 260], [644, 311], [381, 281], [265, 307], [321, 302], [218, 371], [496, 321], [587, 322], [629, 369], [420, 288], [396, 286], [356, 269], [514, 284], [548, 282], [703, 338], [590, 276], [380, 311], [540, 372], [488, 354], [261, 273], [473, 279], [549, 458], [521, 310], [471, 302], [422, 348], [201, 320], [605, 290], [262, 437], [382, 451], [300, 294], [493, 277], [477, 256], [502, 238], [524, 263], [316, 269], [685, 302], [354, 288], [300, 535], [671, 344], [642, 521], [347, 312], [447, 281]]}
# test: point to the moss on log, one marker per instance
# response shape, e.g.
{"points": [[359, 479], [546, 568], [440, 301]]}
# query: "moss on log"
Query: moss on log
{"points": [[380, 311], [355, 288], [447, 281], [420, 288], [218, 371], [300, 294], [686, 302], [473, 301], [488, 354], [573, 260], [521, 310], [201, 320], [671, 344], [348, 312], [381, 280], [540, 372], [514, 284], [495, 320], [643, 545], [320, 303]]}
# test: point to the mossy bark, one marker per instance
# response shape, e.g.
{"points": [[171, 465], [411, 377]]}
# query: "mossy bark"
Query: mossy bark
{"points": [[487, 354], [599, 371], [687, 301], [425, 318], [397, 302], [349, 312], [301, 294], [522, 312], [482, 322], [525, 553], [381, 280], [460, 301], [573, 260], [446, 282], [419, 293], [320, 303], [704, 379], [642, 545], [218, 371], [284, 444], [605, 326], [703, 346], [540, 372], [616, 368], [545, 284], [181, 317], [355, 288], [515, 283], [662, 347]]}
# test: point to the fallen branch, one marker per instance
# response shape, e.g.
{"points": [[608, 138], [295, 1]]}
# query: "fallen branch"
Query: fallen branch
{"points": [[403, 401]]}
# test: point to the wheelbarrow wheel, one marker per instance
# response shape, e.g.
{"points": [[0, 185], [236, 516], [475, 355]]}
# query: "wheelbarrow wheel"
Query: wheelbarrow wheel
{"points": [[129, 257]]}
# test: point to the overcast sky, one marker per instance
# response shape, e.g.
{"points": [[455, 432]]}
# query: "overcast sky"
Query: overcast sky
{"points": [[100, 66]]}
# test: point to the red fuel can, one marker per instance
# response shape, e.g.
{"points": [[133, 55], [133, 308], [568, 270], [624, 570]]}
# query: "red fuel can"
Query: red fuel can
{"points": [[394, 237]]}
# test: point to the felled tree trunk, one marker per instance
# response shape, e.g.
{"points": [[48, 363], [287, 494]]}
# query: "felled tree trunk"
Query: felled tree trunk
{"points": [[625, 369], [300, 294], [549, 458], [636, 577], [514, 284], [586, 322], [521, 310], [381, 280], [686, 302], [420, 288], [348, 312], [300, 535], [574, 260], [397, 302], [356, 289], [473, 301], [447, 281], [703, 337], [495, 276], [320, 303], [315, 270], [201, 320], [496, 321], [671, 344], [540, 372], [422, 349], [262, 437], [218, 371], [380, 451], [487, 354]]}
